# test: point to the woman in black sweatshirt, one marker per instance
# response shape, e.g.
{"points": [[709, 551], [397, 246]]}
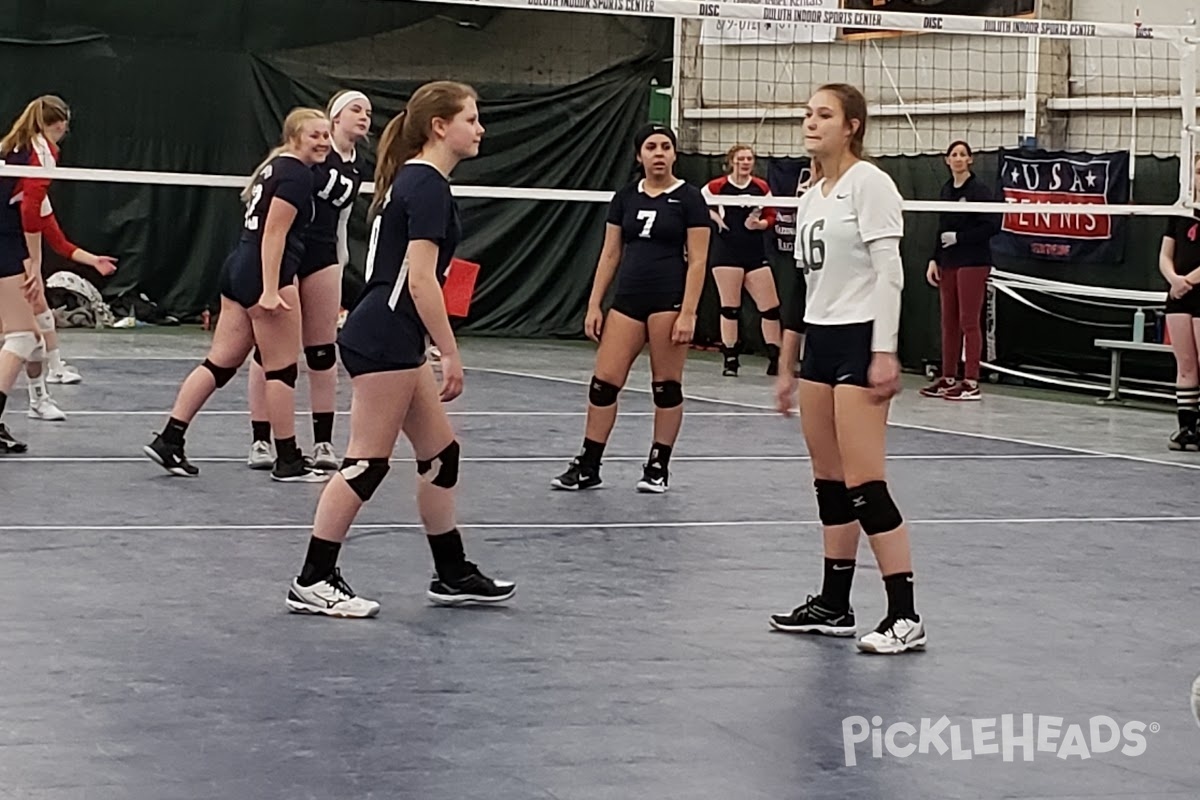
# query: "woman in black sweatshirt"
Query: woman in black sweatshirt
{"points": [[959, 269]]}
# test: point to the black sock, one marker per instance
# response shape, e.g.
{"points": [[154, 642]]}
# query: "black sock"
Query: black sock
{"points": [[3, 402], [261, 430], [287, 451], [1187, 399], [773, 352], [173, 433], [839, 575], [592, 452], [322, 426], [900, 596], [660, 455], [320, 561], [448, 555]]}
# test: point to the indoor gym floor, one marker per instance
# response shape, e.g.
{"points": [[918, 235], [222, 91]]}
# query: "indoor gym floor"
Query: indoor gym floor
{"points": [[148, 653]]}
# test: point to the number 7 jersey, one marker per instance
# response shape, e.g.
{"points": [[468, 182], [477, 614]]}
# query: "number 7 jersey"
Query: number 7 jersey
{"points": [[832, 235]]}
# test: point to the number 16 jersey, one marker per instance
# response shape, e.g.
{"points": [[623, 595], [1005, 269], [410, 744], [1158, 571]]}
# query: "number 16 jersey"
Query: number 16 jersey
{"points": [[832, 236]]}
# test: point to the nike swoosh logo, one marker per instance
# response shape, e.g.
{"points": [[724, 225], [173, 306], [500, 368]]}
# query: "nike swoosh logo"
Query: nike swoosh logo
{"points": [[843, 196], [841, 569]]}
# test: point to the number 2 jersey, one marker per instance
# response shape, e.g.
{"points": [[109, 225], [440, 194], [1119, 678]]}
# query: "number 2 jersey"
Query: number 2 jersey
{"points": [[385, 325], [291, 180], [832, 236], [654, 232]]}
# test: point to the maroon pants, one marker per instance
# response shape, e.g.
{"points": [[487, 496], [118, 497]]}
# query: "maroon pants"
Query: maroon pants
{"points": [[962, 290]]}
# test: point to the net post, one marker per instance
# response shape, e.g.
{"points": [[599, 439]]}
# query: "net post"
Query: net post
{"points": [[676, 74], [1032, 77], [1187, 97]]}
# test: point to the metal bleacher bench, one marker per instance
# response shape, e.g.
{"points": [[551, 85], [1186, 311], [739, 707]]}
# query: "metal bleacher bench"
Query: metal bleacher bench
{"points": [[1118, 348]]}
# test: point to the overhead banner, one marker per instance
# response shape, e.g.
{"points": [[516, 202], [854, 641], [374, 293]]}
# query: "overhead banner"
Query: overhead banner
{"points": [[1029, 177], [770, 31], [961, 8], [784, 177]]}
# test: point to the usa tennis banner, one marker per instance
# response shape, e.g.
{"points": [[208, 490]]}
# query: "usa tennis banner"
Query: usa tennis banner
{"points": [[1029, 177]]}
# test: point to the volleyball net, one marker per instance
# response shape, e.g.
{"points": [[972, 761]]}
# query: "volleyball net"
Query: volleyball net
{"points": [[1103, 96]]}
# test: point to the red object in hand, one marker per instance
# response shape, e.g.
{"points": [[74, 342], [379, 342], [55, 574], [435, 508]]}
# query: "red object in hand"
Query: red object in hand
{"points": [[459, 286]]}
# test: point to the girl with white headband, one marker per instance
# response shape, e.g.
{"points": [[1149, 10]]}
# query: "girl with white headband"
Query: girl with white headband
{"points": [[336, 183]]}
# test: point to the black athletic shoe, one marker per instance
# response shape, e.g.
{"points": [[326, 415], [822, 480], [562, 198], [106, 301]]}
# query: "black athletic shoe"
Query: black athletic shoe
{"points": [[472, 586], [814, 617], [170, 457], [9, 444], [654, 479], [578, 476], [299, 471], [1184, 439], [732, 364]]}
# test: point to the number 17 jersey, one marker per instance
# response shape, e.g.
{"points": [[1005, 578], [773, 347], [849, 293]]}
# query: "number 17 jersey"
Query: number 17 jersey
{"points": [[832, 236]]}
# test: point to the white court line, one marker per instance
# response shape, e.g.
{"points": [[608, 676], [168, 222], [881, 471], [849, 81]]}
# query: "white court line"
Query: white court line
{"points": [[757, 523], [905, 425], [558, 458], [245, 413]]}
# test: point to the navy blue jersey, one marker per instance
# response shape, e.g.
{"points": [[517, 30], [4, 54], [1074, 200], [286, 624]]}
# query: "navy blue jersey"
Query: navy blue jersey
{"points": [[418, 206], [336, 183], [289, 179], [654, 234], [10, 200]]}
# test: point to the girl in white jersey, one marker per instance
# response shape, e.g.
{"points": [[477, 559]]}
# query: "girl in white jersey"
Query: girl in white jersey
{"points": [[848, 231]]}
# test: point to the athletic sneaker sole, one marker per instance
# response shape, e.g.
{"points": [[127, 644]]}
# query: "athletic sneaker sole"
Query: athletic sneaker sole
{"points": [[650, 488], [468, 599], [913, 646], [297, 607], [178, 471], [555, 483], [823, 630], [308, 477]]}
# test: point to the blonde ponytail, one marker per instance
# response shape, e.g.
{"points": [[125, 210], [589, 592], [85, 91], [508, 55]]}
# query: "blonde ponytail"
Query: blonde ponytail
{"points": [[39, 115]]}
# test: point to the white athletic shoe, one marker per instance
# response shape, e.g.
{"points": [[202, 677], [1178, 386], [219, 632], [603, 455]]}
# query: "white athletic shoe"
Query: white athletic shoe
{"points": [[1196, 699], [324, 457], [332, 597], [260, 456], [894, 636], [64, 373], [44, 408]]}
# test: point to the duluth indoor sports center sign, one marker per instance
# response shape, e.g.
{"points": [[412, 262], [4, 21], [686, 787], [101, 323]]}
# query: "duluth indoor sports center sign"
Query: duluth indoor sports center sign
{"points": [[961, 8], [1029, 177]]}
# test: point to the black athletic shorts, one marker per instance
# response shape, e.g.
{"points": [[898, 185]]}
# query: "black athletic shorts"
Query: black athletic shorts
{"points": [[13, 253], [641, 306], [838, 354], [747, 255], [241, 277], [317, 256], [1188, 304]]}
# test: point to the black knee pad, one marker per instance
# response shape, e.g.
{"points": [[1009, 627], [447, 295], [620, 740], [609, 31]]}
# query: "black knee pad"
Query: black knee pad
{"points": [[286, 375], [364, 475], [257, 356], [602, 393], [446, 462], [667, 394], [833, 503], [731, 312], [222, 375], [770, 313], [320, 357], [874, 508]]}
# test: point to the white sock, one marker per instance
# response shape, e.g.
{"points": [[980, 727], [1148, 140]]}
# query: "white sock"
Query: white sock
{"points": [[54, 360], [37, 388]]}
